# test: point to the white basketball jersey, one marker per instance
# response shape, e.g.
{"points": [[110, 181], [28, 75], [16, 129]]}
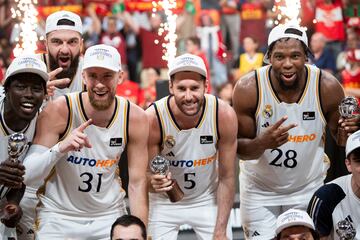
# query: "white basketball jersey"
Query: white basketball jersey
{"points": [[192, 152], [76, 85], [290, 173], [5, 133], [86, 183]]}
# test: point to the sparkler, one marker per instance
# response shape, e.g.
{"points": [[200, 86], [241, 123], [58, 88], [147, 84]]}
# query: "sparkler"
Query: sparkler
{"points": [[168, 28], [26, 12], [289, 13]]}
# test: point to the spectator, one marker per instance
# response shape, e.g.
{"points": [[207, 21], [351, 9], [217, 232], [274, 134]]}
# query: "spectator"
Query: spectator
{"points": [[128, 89], [351, 74], [295, 224], [148, 93], [335, 206], [128, 227], [323, 58]]}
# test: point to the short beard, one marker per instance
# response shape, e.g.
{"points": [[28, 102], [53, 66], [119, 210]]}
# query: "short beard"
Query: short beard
{"points": [[100, 105], [294, 86], [65, 73]]}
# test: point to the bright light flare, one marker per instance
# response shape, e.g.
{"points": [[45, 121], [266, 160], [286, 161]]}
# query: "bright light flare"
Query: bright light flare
{"points": [[288, 13], [27, 14]]}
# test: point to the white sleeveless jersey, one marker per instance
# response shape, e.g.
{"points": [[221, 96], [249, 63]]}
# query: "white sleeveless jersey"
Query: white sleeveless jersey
{"points": [[5, 133], [76, 85], [86, 183], [290, 173], [192, 152]]}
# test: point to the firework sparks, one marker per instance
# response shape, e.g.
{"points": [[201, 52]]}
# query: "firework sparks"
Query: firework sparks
{"points": [[288, 12], [27, 13], [168, 28]]}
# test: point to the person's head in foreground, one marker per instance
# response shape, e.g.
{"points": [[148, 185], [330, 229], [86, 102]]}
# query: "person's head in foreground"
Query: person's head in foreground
{"points": [[352, 160], [295, 224], [128, 227]]}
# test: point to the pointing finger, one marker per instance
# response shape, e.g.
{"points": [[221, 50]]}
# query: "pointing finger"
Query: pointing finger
{"points": [[55, 72], [278, 123], [83, 126], [58, 82], [287, 128]]}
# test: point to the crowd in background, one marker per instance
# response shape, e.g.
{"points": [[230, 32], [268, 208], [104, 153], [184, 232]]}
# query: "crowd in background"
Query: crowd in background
{"points": [[230, 35]]}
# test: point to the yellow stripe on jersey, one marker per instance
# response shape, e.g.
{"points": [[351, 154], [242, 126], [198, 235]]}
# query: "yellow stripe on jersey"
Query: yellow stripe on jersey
{"points": [[169, 114], [257, 72], [117, 173], [307, 84], [78, 95], [205, 111], [124, 120], [314, 203], [318, 96], [3, 128], [214, 119], [116, 114], [69, 123], [162, 127]]}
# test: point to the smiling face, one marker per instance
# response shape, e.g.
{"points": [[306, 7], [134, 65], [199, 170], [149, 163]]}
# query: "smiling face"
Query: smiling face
{"points": [[24, 95], [101, 86], [64, 47], [353, 165], [288, 59], [188, 89]]}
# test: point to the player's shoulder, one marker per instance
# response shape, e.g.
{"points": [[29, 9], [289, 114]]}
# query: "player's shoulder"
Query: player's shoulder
{"points": [[332, 193], [329, 82]]}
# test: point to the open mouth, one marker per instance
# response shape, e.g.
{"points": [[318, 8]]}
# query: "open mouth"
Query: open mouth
{"points": [[27, 107], [64, 61], [288, 76]]}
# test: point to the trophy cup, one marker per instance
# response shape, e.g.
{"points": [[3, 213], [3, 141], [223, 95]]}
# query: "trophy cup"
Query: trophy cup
{"points": [[345, 230], [347, 108], [17, 145], [160, 165]]}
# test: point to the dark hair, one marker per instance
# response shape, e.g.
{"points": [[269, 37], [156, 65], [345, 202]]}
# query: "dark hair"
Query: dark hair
{"points": [[314, 233], [128, 220], [65, 22], [24, 75], [195, 40], [305, 48], [172, 77]]}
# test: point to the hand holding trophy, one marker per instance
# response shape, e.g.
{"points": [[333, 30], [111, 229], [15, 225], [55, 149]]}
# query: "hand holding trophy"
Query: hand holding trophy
{"points": [[347, 109], [160, 165]]}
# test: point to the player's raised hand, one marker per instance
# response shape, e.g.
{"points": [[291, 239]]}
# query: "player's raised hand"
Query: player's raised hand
{"points": [[77, 139], [161, 183], [277, 134], [54, 83]]}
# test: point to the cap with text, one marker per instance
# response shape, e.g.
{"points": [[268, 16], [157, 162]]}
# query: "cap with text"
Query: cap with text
{"points": [[293, 217], [103, 56], [287, 31], [27, 63], [352, 143], [63, 20], [188, 62]]}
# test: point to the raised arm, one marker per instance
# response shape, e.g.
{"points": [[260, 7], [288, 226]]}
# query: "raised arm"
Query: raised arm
{"points": [[227, 167], [137, 151]]}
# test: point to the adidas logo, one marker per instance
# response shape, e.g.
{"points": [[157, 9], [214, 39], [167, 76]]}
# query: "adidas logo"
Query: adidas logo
{"points": [[255, 234], [170, 154], [265, 125], [349, 219]]}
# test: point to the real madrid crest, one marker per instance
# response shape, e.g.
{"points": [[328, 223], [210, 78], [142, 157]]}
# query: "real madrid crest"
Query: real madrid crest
{"points": [[100, 57], [268, 111], [169, 141], [29, 65]]}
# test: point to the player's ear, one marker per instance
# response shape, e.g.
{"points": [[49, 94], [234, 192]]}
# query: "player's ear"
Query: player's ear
{"points": [[171, 86], [348, 164]]}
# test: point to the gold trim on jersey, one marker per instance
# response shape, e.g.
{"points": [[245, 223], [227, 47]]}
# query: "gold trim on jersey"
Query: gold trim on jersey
{"points": [[314, 203], [117, 113], [117, 173], [214, 120], [306, 85], [69, 123], [205, 111], [169, 114], [267, 74], [162, 127], [78, 95], [318, 96], [3, 128], [125, 119], [257, 72]]}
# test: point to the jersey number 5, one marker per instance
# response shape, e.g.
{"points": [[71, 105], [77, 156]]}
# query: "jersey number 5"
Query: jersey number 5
{"points": [[289, 161], [88, 178], [191, 182]]}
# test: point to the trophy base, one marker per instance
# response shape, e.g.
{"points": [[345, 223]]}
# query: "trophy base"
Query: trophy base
{"points": [[341, 137], [175, 194]]}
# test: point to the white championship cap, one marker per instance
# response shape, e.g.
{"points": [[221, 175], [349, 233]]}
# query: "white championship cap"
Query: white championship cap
{"points": [[103, 56], [188, 62], [27, 63], [293, 217], [287, 31], [352, 143], [54, 22]]}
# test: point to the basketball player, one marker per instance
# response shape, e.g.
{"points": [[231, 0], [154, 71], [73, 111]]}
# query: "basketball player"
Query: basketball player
{"points": [[194, 131], [282, 112], [335, 206], [25, 89], [79, 140], [63, 43]]}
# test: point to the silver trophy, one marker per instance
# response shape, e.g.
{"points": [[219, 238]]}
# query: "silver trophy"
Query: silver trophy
{"points": [[347, 109], [345, 230], [161, 165], [17, 145]]}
